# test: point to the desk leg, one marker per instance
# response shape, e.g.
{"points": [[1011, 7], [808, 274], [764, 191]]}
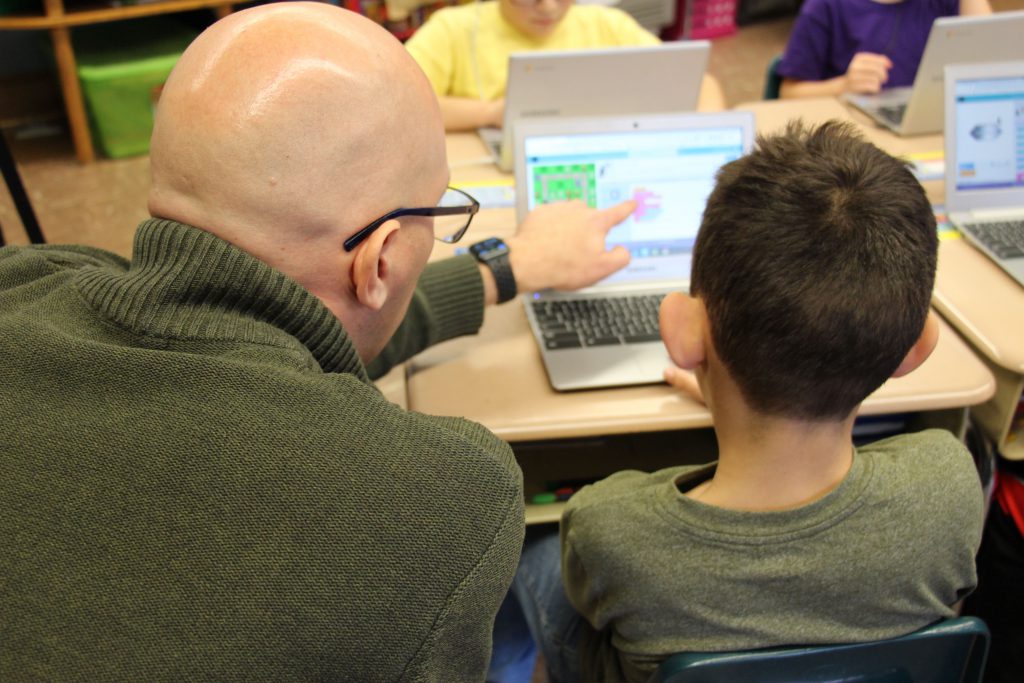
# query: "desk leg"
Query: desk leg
{"points": [[72, 91]]}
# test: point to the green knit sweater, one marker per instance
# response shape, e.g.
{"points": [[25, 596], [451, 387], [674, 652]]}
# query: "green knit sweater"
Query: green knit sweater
{"points": [[198, 481]]}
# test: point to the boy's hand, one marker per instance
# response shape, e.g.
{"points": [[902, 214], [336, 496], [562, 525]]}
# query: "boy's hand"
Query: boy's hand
{"points": [[685, 381], [562, 246], [867, 72]]}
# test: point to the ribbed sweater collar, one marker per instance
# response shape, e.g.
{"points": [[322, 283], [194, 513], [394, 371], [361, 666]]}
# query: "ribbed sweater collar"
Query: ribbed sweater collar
{"points": [[185, 283]]}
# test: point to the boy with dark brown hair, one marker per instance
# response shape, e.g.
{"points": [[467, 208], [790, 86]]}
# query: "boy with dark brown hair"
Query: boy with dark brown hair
{"points": [[812, 276]]}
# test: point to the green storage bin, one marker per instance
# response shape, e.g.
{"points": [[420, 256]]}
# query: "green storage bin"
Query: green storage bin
{"points": [[122, 67]]}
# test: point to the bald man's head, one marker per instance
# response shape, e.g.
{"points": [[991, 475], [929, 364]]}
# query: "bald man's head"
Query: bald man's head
{"points": [[292, 125]]}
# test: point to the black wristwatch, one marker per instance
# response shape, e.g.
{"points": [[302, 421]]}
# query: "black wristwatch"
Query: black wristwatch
{"points": [[493, 253]]}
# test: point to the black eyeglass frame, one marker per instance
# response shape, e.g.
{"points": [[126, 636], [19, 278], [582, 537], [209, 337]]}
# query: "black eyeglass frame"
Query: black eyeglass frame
{"points": [[472, 209]]}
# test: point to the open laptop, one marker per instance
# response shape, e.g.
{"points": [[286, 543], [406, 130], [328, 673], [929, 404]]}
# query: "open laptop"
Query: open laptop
{"points": [[607, 335], [917, 110], [985, 159], [653, 79]]}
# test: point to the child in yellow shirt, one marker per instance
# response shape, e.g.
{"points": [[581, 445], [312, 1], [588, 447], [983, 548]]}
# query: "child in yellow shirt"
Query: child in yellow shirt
{"points": [[464, 50]]}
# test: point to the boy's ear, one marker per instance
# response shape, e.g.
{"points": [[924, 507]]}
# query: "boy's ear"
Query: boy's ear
{"points": [[683, 321], [370, 267], [922, 348]]}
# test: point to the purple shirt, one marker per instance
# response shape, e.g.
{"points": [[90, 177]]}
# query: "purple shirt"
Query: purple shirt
{"points": [[828, 33]]}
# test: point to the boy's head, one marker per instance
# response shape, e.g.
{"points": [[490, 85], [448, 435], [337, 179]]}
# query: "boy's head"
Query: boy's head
{"points": [[536, 19], [815, 263]]}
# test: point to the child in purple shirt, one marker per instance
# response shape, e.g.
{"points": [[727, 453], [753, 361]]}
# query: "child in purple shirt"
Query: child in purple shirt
{"points": [[861, 45]]}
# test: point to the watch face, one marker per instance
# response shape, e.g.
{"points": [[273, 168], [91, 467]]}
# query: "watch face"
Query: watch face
{"points": [[488, 249]]}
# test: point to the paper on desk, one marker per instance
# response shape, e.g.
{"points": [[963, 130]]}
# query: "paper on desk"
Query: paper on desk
{"points": [[928, 165], [946, 229], [492, 194]]}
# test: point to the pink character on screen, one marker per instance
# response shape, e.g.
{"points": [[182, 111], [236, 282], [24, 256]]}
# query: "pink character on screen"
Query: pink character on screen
{"points": [[648, 205]]}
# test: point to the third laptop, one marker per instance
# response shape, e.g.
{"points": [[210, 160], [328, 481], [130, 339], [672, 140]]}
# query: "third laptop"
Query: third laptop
{"points": [[607, 335], [985, 159]]}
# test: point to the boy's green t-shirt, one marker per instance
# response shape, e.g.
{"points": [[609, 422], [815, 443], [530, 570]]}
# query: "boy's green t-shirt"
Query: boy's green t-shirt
{"points": [[888, 551]]}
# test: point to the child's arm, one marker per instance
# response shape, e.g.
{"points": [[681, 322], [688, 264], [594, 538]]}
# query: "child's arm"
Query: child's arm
{"points": [[711, 96], [972, 7], [867, 73], [465, 113], [437, 47]]}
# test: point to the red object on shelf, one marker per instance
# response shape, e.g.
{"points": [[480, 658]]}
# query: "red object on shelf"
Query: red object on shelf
{"points": [[709, 18]]}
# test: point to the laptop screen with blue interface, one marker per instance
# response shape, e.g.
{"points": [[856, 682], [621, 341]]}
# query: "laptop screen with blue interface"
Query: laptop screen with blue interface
{"points": [[669, 173], [990, 134]]}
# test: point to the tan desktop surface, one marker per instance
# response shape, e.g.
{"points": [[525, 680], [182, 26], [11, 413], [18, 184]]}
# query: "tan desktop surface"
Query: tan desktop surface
{"points": [[981, 301], [497, 378], [773, 115]]}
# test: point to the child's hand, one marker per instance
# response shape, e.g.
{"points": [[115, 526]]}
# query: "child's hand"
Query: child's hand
{"points": [[685, 381], [867, 72]]}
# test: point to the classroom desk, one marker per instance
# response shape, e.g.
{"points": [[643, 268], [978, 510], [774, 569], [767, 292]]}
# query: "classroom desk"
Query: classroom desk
{"points": [[987, 307], [497, 378]]}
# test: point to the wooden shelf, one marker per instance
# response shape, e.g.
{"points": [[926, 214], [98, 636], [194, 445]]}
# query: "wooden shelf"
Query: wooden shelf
{"points": [[97, 14], [59, 20]]}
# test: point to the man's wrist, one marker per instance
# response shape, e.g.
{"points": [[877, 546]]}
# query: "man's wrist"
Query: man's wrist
{"points": [[493, 253]]}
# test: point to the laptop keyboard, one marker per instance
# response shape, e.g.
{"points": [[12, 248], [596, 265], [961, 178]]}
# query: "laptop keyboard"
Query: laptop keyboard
{"points": [[893, 113], [1004, 238], [598, 322]]}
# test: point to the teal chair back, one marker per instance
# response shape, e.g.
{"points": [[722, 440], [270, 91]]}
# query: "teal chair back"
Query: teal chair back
{"points": [[950, 651], [772, 79]]}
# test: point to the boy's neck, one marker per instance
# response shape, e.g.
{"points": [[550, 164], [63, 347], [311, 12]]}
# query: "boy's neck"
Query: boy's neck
{"points": [[771, 463]]}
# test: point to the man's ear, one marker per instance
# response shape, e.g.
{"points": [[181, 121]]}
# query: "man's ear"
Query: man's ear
{"points": [[370, 267], [683, 321], [922, 348]]}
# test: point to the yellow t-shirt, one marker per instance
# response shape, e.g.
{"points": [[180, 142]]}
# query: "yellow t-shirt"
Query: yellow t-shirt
{"points": [[464, 50]]}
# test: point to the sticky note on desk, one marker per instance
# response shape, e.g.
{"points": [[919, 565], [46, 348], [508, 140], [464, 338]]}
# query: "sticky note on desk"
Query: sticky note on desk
{"points": [[928, 165], [946, 229], [492, 194]]}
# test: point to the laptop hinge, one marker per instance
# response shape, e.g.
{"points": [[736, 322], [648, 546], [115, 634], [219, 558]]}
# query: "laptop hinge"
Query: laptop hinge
{"points": [[987, 215]]}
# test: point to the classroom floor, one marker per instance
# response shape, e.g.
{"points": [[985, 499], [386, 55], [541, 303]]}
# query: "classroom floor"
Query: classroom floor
{"points": [[100, 204]]}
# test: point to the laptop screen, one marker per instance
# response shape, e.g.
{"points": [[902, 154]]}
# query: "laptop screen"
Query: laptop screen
{"points": [[989, 133], [669, 173]]}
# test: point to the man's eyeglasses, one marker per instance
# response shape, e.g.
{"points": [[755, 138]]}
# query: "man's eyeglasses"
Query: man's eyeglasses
{"points": [[452, 217]]}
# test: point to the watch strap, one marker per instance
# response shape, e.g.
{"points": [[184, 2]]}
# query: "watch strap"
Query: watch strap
{"points": [[503, 277], [493, 253]]}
